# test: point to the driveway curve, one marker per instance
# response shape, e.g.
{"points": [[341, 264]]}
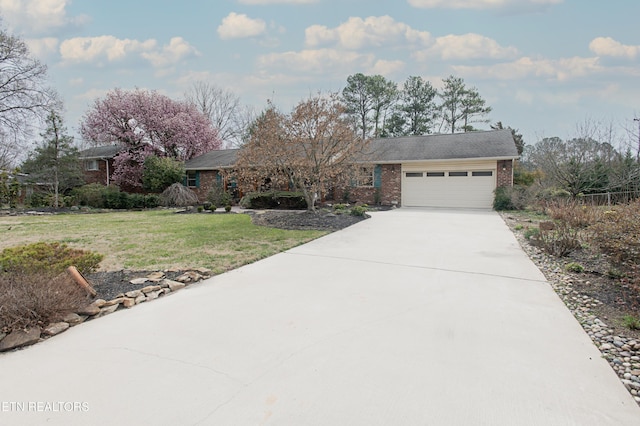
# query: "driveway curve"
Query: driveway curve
{"points": [[413, 317]]}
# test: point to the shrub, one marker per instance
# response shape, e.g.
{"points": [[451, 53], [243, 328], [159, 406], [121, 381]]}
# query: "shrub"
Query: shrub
{"points": [[573, 213], [631, 322], [274, 200], [218, 196], [52, 258], [29, 299], [617, 234], [559, 240], [502, 199], [574, 267], [91, 195], [227, 208], [359, 210], [530, 233], [38, 199], [179, 195], [161, 172]]}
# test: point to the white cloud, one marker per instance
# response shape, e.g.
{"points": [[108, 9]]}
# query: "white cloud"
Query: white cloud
{"points": [[237, 25], [466, 46], [314, 61], [525, 68], [177, 50], [43, 47], [90, 49], [481, 4], [38, 16], [111, 49], [606, 46], [263, 2], [356, 33]]}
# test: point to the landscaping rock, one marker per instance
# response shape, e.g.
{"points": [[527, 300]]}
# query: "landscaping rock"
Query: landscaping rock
{"points": [[138, 281], [128, 302], [19, 338], [116, 301], [99, 303], [89, 310], [107, 310], [174, 285], [141, 298], [153, 294], [73, 319], [155, 276], [133, 294], [150, 288], [56, 328]]}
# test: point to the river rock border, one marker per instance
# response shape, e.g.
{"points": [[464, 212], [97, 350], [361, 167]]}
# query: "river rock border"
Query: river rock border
{"points": [[622, 353], [157, 286]]}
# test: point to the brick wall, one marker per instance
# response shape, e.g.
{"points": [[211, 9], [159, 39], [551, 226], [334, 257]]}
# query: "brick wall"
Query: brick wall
{"points": [[388, 193], [505, 173], [207, 181], [100, 175]]}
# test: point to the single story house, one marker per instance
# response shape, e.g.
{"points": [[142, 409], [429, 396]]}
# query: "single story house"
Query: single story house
{"points": [[97, 163], [204, 171], [459, 170]]}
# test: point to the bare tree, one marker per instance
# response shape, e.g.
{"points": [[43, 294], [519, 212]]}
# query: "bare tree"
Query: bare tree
{"points": [[310, 149], [25, 99], [225, 111]]}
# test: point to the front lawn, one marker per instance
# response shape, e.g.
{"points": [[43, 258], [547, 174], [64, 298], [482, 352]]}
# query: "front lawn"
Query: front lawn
{"points": [[157, 239]]}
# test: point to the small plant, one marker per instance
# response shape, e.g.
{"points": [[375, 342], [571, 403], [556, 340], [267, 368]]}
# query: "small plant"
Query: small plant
{"points": [[574, 267], [179, 195], [227, 208], [339, 207], [531, 233], [631, 322], [359, 210], [615, 273], [200, 209], [519, 227]]}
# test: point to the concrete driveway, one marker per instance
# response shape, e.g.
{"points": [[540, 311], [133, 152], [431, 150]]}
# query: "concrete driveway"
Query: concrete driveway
{"points": [[414, 317]]}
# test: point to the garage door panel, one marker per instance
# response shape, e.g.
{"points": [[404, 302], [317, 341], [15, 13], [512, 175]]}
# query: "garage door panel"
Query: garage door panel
{"points": [[426, 189]]}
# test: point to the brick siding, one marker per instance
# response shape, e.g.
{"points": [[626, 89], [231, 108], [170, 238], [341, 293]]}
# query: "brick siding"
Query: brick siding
{"points": [[505, 173]]}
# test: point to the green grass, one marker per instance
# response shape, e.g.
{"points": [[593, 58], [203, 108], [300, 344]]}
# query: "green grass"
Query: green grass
{"points": [[157, 239]]}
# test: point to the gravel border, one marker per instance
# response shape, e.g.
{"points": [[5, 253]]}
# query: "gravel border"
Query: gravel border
{"points": [[622, 353]]}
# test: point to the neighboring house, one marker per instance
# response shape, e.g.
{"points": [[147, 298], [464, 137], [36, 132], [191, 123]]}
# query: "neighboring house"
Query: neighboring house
{"points": [[97, 163], [447, 170], [205, 171]]}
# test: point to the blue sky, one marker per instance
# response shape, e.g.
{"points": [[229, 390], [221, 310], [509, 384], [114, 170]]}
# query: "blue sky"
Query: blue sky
{"points": [[543, 65]]}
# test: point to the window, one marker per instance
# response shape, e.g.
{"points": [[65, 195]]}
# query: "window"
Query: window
{"points": [[435, 174], [365, 176], [91, 165], [192, 179], [487, 173], [458, 174], [414, 174]]}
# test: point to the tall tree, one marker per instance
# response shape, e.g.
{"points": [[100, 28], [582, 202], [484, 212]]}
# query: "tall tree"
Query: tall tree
{"points": [[368, 98], [309, 149], [55, 161], [416, 109], [517, 137], [147, 123], [359, 101], [461, 105], [225, 111], [25, 98]]}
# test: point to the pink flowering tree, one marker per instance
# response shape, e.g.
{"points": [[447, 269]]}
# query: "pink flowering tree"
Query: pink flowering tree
{"points": [[147, 123]]}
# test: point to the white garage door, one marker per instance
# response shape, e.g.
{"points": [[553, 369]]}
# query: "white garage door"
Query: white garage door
{"points": [[468, 188]]}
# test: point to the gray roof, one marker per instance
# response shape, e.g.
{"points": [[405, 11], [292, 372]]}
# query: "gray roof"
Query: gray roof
{"points": [[102, 151], [498, 144], [494, 144], [213, 160]]}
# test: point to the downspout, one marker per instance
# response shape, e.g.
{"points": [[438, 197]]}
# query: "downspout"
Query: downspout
{"points": [[106, 161]]}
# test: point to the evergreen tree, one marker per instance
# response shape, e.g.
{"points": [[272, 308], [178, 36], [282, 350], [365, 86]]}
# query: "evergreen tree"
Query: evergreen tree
{"points": [[55, 162]]}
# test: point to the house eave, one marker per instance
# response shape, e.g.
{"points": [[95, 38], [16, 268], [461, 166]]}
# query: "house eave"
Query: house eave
{"points": [[438, 160]]}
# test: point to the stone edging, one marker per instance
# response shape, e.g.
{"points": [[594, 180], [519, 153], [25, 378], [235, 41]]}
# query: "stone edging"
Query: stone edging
{"points": [[622, 353], [158, 286]]}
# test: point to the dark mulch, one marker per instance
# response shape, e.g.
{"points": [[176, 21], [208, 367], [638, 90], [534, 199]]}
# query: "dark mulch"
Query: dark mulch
{"points": [[108, 284]]}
